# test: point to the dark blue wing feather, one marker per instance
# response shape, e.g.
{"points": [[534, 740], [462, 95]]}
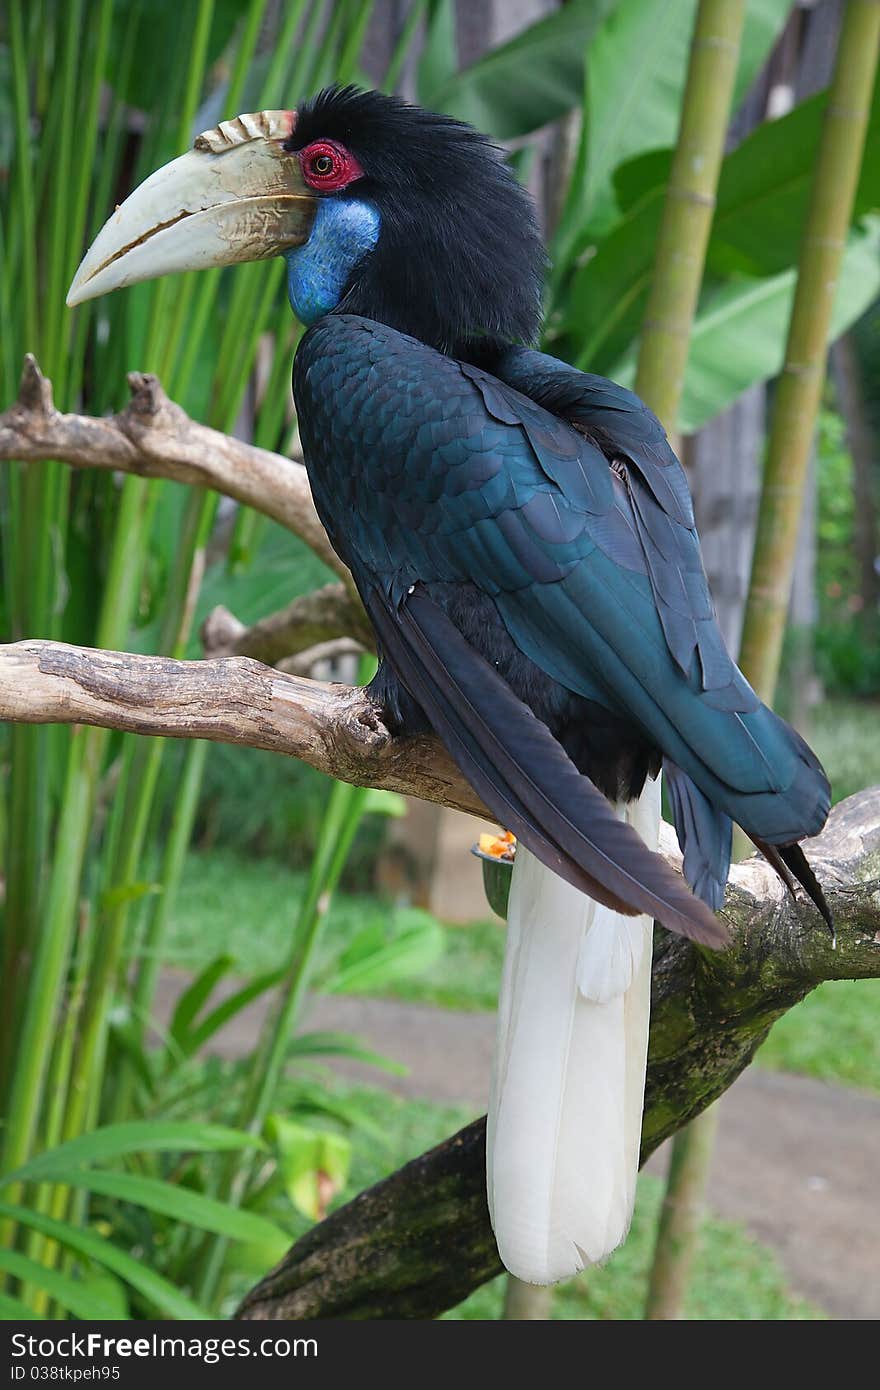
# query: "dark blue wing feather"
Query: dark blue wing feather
{"points": [[558, 495]]}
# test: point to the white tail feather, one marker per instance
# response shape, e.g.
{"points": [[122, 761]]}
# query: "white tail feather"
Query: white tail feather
{"points": [[565, 1114]]}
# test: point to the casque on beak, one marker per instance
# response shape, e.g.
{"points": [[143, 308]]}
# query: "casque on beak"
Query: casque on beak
{"points": [[236, 196]]}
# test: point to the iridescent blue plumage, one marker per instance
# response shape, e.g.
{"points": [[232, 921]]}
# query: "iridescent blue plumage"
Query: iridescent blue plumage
{"points": [[436, 472], [480, 489]]}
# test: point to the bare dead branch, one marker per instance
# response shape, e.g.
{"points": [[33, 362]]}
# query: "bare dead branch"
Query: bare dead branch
{"points": [[325, 615], [155, 438], [335, 728], [305, 662]]}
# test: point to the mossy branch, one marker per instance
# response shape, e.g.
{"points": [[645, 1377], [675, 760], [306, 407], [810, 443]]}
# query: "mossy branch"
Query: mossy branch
{"points": [[421, 1241]]}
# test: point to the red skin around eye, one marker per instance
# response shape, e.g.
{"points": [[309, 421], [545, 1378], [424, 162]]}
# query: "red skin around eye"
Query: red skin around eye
{"points": [[344, 171]]}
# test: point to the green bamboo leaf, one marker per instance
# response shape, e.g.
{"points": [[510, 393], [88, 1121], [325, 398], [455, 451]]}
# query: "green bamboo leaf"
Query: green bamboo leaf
{"points": [[159, 21], [342, 1045], [12, 1310], [317, 1102], [438, 59], [765, 187], [379, 802], [605, 300], [407, 39], [137, 1136], [768, 167], [196, 995], [127, 893], [158, 1291], [535, 78], [372, 959], [78, 1298], [180, 1203], [649, 43], [740, 339], [220, 1016], [127, 1038], [282, 569], [761, 203], [639, 177], [112, 1291]]}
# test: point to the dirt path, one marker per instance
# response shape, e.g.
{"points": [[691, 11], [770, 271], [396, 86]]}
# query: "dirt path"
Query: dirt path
{"points": [[797, 1160]]}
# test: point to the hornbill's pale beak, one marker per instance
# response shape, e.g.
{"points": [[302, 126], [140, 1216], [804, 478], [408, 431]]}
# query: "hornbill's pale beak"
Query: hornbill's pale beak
{"points": [[236, 196]]}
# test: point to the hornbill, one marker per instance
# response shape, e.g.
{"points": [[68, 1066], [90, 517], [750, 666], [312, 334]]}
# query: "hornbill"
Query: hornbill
{"points": [[522, 537]]}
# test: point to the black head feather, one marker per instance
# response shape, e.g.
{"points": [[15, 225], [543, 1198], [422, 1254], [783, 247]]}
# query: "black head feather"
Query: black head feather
{"points": [[459, 255]]}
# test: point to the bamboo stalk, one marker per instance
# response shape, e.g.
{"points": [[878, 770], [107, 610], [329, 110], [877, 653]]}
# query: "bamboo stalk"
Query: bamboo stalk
{"points": [[791, 433], [663, 353], [526, 1302], [689, 206], [681, 1216], [799, 388]]}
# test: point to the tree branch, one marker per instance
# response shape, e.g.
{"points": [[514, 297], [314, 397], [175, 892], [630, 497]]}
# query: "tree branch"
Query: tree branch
{"points": [[304, 663], [420, 1241], [335, 728], [324, 615], [155, 438]]}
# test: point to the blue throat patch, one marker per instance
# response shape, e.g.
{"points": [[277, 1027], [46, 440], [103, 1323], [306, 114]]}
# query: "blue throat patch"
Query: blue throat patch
{"points": [[343, 231]]}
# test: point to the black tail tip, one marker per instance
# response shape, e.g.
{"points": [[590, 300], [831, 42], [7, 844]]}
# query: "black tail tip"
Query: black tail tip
{"points": [[795, 859]]}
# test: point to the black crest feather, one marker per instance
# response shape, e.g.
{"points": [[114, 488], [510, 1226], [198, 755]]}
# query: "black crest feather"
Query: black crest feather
{"points": [[459, 255]]}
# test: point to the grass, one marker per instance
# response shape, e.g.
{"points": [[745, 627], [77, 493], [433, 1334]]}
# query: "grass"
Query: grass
{"points": [[831, 1035], [845, 733], [736, 1278], [245, 908]]}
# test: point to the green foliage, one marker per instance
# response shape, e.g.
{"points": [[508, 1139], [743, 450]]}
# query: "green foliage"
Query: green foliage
{"points": [[86, 560], [844, 734], [831, 1035], [245, 910], [77, 1164], [621, 121], [313, 1164], [94, 828], [739, 333], [524, 84]]}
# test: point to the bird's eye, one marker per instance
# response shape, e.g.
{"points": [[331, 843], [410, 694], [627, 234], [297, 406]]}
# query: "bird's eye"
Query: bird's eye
{"points": [[328, 166]]}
